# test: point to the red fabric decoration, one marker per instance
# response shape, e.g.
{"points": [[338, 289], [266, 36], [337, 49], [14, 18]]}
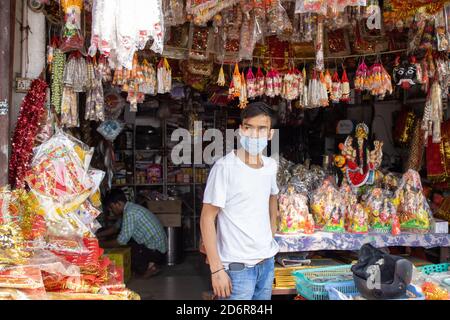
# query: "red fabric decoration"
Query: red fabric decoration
{"points": [[27, 128]]}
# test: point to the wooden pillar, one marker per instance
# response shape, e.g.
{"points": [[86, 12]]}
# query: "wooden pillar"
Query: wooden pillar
{"points": [[7, 14]]}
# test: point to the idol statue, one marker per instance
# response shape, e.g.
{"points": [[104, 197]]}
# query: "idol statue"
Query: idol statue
{"points": [[358, 163]]}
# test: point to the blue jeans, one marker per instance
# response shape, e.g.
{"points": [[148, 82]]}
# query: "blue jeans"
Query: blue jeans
{"points": [[253, 283]]}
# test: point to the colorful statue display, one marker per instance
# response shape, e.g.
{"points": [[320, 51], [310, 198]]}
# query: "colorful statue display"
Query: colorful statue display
{"points": [[358, 221], [294, 213], [413, 211], [381, 210], [327, 207]]}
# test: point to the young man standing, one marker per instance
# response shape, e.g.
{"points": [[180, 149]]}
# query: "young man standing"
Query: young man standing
{"points": [[241, 193], [140, 229]]}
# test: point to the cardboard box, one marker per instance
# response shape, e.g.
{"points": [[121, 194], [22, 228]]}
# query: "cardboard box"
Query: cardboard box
{"points": [[169, 219], [168, 212], [122, 259], [168, 206], [439, 226]]}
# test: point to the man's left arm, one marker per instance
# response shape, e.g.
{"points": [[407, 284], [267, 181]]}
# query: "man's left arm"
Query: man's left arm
{"points": [[273, 209], [273, 203]]}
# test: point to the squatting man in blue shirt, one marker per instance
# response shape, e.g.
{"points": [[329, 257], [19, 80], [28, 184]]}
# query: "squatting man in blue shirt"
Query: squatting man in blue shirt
{"points": [[140, 229]]}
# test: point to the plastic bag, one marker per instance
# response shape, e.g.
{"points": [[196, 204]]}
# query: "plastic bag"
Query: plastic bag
{"points": [[278, 20], [313, 6], [59, 173], [248, 38], [294, 214], [174, 12], [72, 38], [22, 283], [358, 220], [76, 73], [381, 211], [50, 263], [95, 108], [5, 198], [319, 43], [413, 210], [12, 245], [110, 129], [164, 76], [326, 206]]}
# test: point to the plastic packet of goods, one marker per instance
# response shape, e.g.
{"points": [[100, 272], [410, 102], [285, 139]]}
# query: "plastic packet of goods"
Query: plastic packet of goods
{"points": [[5, 198], [174, 12], [87, 214], [278, 21], [97, 177], [312, 6], [58, 173], [294, 213], [110, 129], [414, 212], [12, 245], [325, 202], [50, 263], [61, 245], [72, 38], [21, 277], [248, 38], [379, 220]]}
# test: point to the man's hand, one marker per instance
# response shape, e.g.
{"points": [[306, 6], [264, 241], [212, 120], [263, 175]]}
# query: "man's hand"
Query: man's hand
{"points": [[109, 244], [221, 283]]}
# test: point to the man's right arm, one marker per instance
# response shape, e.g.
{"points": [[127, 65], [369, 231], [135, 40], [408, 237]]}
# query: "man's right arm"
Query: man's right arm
{"points": [[107, 232], [220, 281]]}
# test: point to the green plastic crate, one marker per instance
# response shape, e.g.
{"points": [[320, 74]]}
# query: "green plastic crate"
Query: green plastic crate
{"points": [[435, 268]]}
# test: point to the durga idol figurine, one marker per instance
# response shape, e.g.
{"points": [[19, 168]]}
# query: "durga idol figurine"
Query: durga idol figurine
{"points": [[357, 162]]}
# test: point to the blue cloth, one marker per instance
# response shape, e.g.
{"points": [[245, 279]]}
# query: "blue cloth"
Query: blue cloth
{"points": [[352, 242], [253, 283]]}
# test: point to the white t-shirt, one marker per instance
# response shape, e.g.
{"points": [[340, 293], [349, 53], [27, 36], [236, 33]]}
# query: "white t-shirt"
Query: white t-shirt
{"points": [[244, 232]]}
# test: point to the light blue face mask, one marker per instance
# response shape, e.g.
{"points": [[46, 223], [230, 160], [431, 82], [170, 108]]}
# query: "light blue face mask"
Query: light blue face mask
{"points": [[254, 146]]}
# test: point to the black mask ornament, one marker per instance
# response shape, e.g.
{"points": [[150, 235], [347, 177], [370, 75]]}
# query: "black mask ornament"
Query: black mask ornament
{"points": [[405, 75]]}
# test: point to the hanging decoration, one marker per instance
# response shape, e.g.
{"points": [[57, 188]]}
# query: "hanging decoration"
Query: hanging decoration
{"points": [[72, 39], [243, 94], [361, 77], [164, 76], [58, 67], [336, 88], [221, 79], [251, 84], [433, 114], [32, 111], [95, 99], [345, 97], [404, 75], [236, 83], [260, 83], [121, 27]]}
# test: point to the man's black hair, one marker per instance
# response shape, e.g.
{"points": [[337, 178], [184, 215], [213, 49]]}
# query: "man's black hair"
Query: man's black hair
{"points": [[115, 196], [257, 109]]}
